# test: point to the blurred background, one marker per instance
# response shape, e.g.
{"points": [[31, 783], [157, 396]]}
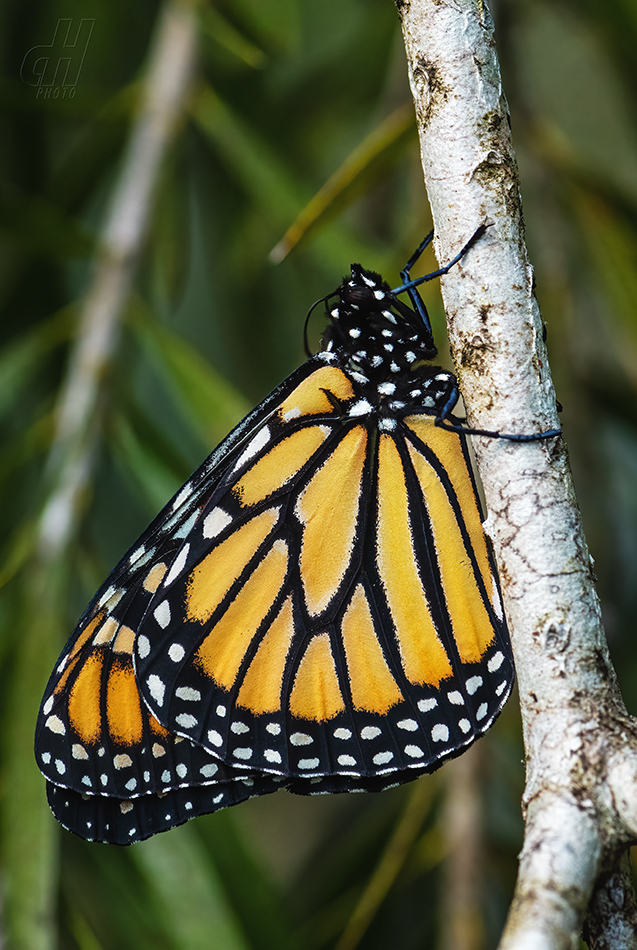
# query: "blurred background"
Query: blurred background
{"points": [[298, 113]]}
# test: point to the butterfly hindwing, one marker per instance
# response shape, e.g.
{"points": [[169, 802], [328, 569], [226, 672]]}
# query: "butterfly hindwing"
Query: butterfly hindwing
{"points": [[322, 663]]}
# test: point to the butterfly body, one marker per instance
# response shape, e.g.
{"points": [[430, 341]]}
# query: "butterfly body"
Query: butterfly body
{"points": [[317, 607]]}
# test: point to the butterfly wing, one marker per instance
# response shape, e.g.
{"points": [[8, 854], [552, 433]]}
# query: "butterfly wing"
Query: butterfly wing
{"points": [[334, 612]]}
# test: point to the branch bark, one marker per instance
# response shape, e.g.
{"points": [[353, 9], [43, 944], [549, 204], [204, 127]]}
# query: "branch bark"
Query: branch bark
{"points": [[580, 800]]}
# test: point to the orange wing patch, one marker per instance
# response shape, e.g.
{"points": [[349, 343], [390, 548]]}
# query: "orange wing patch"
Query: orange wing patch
{"points": [[372, 684], [84, 700], [423, 656], [471, 624], [328, 510], [316, 694], [274, 469], [309, 399], [261, 688], [446, 446], [221, 654], [211, 580], [123, 710]]}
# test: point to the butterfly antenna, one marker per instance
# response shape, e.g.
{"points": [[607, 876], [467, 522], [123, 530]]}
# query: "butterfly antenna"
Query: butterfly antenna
{"points": [[308, 352]]}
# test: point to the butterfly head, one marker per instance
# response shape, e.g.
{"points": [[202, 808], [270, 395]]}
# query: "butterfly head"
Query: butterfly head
{"points": [[372, 331]]}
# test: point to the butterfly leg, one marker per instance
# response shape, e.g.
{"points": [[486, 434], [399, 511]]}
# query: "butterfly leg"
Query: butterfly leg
{"points": [[445, 420], [410, 286]]}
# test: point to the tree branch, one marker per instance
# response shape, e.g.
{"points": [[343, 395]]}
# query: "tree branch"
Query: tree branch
{"points": [[581, 793]]}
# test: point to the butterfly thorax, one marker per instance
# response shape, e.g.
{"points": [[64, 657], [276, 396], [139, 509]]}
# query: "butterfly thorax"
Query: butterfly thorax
{"points": [[379, 342]]}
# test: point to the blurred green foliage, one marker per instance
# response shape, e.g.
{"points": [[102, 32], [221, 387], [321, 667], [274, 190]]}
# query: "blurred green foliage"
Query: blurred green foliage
{"points": [[288, 93]]}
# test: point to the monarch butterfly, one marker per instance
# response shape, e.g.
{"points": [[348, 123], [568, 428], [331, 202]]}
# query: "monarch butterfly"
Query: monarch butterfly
{"points": [[317, 608]]}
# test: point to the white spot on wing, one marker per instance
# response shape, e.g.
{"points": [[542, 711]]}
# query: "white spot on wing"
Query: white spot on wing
{"points": [[188, 694], [440, 732], [215, 738], [255, 445], [243, 753], [409, 725], [55, 724], [495, 662], [239, 728], [342, 734], [186, 721], [496, 603], [456, 698], [382, 758], [156, 688], [187, 526], [271, 755], [106, 596], [360, 408], [161, 614], [300, 738], [143, 646], [425, 705], [473, 683], [176, 652], [215, 522], [414, 751], [308, 763], [185, 493], [177, 565], [135, 556], [370, 732]]}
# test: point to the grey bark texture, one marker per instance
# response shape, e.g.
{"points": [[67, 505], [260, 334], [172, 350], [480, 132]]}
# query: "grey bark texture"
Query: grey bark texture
{"points": [[580, 802]]}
